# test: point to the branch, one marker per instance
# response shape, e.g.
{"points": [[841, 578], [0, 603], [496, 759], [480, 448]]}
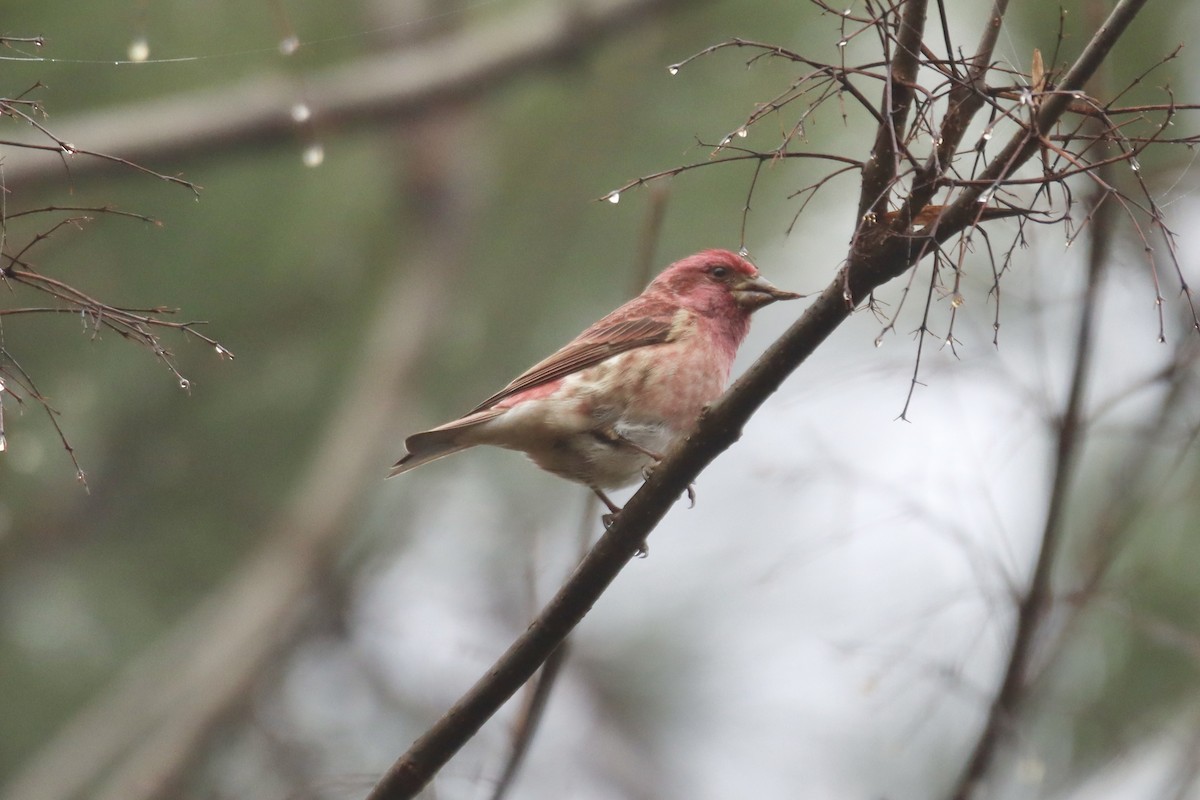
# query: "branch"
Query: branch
{"points": [[879, 174], [966, 98], [877, 256]]}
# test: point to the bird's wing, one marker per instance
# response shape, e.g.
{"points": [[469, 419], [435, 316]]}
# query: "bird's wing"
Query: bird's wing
{"points": [[603, 340]]}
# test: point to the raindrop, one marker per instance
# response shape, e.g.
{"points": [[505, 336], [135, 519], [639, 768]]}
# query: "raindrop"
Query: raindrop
{"points": [[301, 113], [726, 140], [613, 197], [1134, 165], [985, 197], [139, 49], [673, 69], [185, 384], [289, 45], [843, 43], [879, 340], [3, 443], [956, 300], [743, 251], [742, 133], [222, 352], [314, 155], [987, 135], [847, 12], [66, 148]]}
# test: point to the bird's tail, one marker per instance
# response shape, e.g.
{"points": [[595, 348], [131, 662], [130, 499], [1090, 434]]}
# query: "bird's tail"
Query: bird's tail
{"points": [[425, 447], [440, 442]]}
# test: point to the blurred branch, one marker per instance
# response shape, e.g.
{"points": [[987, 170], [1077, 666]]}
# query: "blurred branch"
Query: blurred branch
{"points": [[530, 717], [153, 721], [883, 250], [393, 86], [1038, 598]]}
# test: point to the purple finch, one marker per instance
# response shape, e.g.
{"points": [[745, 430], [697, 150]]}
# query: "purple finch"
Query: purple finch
{"points": [[603, 409]]}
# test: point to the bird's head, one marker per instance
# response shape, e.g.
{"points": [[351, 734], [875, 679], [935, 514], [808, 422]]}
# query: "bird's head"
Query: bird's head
{"points": [[719, 282]]}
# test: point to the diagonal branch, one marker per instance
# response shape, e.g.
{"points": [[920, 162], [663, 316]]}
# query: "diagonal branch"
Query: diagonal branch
{"points": [[877, 256]]}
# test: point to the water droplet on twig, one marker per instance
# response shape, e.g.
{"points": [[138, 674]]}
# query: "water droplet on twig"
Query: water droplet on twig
{"points": [[673, 69], [289, 45], [139, 49], [613, 197], [314, 155], [301, 113]]}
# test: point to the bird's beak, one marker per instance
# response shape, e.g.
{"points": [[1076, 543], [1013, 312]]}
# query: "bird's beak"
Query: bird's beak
{"points": [[756, 292]]}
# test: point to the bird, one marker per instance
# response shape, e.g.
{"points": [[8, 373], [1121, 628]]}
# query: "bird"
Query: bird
{"points": [[603, 410]]}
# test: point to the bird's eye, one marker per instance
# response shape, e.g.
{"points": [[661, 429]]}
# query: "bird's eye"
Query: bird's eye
{"points": [[720, 273]]}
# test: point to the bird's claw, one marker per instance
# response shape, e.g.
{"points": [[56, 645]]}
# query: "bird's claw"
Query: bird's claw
{"points": [[609, 520]]}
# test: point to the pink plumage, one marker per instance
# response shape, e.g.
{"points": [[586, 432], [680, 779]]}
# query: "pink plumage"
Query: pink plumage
{"points": [[610, 403]]}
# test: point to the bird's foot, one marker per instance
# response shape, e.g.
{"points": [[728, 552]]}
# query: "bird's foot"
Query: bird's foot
{"points": [[613, 509]]}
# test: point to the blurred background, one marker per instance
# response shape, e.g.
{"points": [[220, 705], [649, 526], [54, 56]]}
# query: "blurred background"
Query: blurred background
{"points": [[399, 212]]}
